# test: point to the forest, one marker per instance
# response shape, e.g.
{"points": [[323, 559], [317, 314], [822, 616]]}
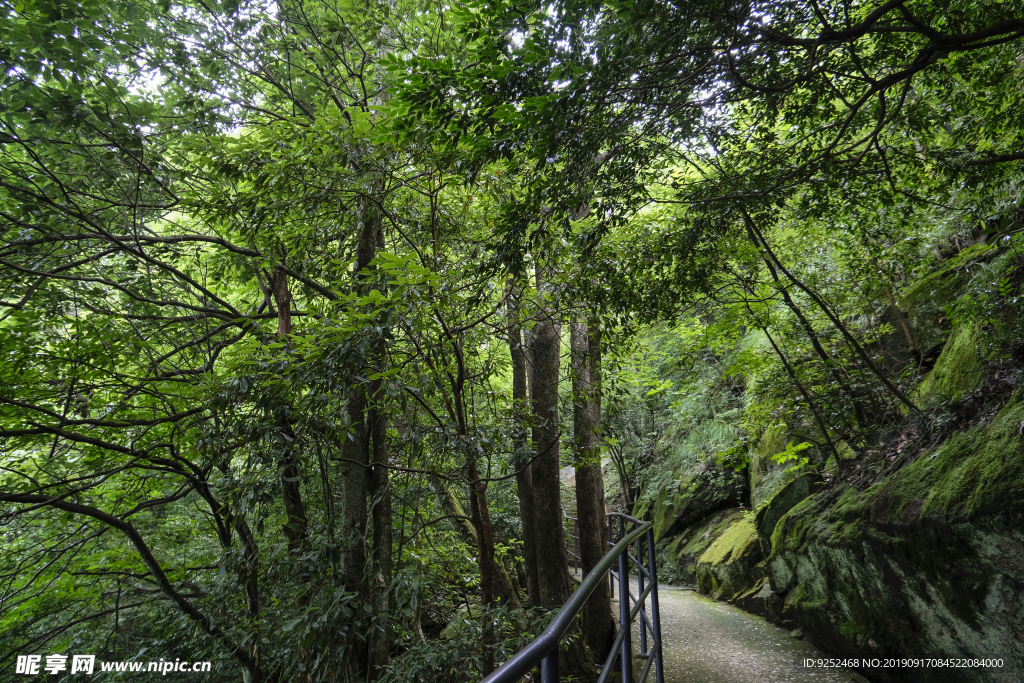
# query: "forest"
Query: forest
{"points": [[320, 319]]}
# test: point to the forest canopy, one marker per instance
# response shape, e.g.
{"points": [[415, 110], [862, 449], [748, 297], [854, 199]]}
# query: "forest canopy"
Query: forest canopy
{"points": [[306, 305]]}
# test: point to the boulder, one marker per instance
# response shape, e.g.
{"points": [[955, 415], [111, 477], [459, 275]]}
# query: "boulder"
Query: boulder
{"points": [[732, 565], [466, 618], [782, 502], [695, 495], [677, 558], [961, 368]]}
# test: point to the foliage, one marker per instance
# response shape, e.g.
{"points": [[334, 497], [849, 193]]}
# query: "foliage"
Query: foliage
{"points": [[260, 262]]}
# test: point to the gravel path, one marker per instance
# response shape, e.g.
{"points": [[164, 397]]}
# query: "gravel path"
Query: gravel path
{"points": [[713, 642]]}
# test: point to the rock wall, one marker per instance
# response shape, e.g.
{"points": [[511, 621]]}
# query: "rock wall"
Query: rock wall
{"points": [[732, 567], [927, 561], [930, 562]]}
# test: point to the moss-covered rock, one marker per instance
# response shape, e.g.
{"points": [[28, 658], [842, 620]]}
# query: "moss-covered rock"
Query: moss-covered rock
{"points": [[731, 566], [923, 304], [961, 367], [678, 557], [782, 502], [929, 562], [695, 495]]}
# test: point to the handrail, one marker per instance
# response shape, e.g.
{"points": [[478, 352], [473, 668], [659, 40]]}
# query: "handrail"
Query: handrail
{"points": [[626, 615], [523, 661], [544, 648], [575, 535]]}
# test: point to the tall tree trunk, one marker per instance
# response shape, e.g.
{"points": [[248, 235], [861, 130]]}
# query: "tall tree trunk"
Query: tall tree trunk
{"points": [[552, 568], [356, 472], [485, 553], [295, 527], [521, 445], [598, 627], [355, 463], [551, 558], [380, 642]]}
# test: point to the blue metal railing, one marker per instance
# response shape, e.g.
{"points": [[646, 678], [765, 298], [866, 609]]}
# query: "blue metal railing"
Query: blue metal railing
{"points": [[543, 650]]}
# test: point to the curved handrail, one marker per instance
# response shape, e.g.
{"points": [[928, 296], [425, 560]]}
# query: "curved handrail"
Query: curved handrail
{"points": [[627, 518], [523, 661]]}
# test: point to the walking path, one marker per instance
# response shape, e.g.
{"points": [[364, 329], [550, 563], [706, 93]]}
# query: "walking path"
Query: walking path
{"points": [[713, 642]]}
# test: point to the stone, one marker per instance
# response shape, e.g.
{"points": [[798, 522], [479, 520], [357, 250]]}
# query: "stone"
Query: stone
{"points": [[462, 622], [785, 500], [732, 566], [695, 495], [678, 557], [929, 560]]}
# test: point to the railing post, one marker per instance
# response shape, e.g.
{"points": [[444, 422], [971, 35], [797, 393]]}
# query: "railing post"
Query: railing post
{"points": [[626, 650], [576, 552], [611, 576], [549, 667], [640, 591], [659, 671]]}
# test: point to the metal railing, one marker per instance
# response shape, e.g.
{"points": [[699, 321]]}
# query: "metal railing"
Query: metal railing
{"points": [[543, 649], [648, 624], [575, 536]]}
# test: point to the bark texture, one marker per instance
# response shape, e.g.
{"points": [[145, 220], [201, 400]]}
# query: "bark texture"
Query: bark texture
{"points": [[380, 584], [585, 344], [552, 574], [357, 469], [550, 534], [524, 471], [295, 527]]}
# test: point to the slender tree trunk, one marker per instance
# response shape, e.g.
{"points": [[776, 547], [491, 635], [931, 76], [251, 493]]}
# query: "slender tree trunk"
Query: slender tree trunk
{"points": [[356, 472], [485, 553], [355, 453], [598, 627], [857, 348], [295, 528], [380, 641], [811, 403], [552, 568], [463, 525], [859, 413], [250, 573], [524, 476]]}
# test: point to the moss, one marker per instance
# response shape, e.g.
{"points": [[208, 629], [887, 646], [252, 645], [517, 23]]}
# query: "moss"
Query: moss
{"points": [[923, 302], [731, 544], [707, 534], [462, 622], [678, 557], [854, 631], [980, 470], [973, 473], [927, 560], [961, 365], [940, 285], [732, 567], [693, 496], [798, 489]]}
